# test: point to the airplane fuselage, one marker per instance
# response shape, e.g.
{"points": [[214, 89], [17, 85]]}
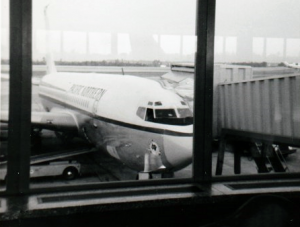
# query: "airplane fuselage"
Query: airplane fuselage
{"points": [[127, 116]]}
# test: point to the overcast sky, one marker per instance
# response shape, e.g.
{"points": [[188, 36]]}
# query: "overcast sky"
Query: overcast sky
{"points": [[160, 29]]}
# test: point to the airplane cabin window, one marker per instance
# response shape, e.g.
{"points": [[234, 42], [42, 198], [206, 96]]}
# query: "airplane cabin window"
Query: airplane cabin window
{"points": [[256, 87], [94, 64]]}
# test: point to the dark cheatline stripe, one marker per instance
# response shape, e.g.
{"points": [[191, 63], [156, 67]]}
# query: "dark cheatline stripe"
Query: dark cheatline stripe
{"points": [[120, 123]]}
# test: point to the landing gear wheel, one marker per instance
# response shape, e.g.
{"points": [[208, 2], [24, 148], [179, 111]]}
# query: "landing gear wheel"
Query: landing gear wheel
{"points": [[143, 176], [70, 173], [36, 139]]}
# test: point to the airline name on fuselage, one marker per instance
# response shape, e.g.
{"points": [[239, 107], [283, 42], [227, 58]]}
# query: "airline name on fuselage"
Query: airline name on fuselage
{"points": [[89, 92]]}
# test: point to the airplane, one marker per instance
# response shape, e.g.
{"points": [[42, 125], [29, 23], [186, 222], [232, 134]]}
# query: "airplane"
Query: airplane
{"points": [[137, 120], [134, 119], [292, 65]]}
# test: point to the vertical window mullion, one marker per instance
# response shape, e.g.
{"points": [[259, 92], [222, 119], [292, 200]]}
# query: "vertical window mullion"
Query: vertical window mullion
{"points": [[203, 99], [20, 97]]}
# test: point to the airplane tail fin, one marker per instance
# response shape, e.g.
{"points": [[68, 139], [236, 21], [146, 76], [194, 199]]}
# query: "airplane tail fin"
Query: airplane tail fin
{"points": [[49, 57]]}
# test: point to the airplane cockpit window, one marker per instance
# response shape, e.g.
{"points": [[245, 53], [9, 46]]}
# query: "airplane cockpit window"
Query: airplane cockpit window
{"points": [[165, 113], [184, 112], [169, 116], [141, 112], [150, 115]]}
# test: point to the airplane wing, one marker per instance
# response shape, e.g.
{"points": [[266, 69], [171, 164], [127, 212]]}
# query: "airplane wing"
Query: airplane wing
{"points": [[57, 121], [185, 88], [182, 82]]}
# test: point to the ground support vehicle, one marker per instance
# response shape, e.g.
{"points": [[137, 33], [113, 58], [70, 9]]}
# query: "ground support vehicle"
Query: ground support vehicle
{"points": [[52, 164]]}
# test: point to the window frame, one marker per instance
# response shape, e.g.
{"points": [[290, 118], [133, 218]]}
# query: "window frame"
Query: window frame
{"points": [[19, 115], [19, 130], [18, 182]]}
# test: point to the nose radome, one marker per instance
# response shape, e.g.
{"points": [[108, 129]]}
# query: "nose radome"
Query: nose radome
{"points": [[178, 151]]}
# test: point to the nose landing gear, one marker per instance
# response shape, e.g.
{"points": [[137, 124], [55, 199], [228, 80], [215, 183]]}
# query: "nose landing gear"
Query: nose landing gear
{"points": [[153, 166], [144, 176]]}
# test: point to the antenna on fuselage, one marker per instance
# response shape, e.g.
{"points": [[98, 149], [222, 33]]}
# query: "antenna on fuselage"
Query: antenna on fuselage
{"points": [[49, 56]]}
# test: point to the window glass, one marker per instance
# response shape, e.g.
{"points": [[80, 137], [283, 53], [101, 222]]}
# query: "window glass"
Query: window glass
{"points": [[168, 117], [141, 112], [183, 113], [98, 66], [165, 113], [256, 87], [4, 83], [150, 115]]}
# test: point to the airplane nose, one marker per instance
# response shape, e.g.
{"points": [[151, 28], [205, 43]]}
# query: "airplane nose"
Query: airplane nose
{"points": [[178, 151]]}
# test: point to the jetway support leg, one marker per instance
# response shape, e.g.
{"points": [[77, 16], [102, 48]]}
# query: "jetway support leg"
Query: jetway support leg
{"points": [[220, 159], [259, 157], [261, 147], [276, 158], [237, 148]]}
